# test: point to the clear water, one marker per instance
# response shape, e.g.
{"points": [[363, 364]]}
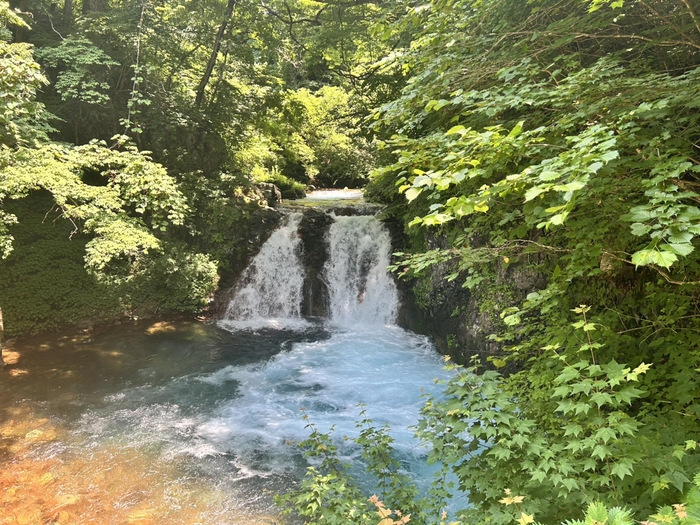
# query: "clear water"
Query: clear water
{"points": [[214, 410]]}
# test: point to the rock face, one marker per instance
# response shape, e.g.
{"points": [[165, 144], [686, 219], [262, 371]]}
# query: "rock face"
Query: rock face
{"points": [[312, 229], [271, 193], [458, 319], [259, 227]]}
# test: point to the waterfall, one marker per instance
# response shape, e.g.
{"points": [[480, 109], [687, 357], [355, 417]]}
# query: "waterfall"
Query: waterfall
{"points": [[270, 289], [361, 291], [358, 290]]}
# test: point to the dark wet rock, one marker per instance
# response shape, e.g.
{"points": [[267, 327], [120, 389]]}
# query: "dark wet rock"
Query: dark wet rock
{"points": [[313, 228], [271, 193], [461, 320]]}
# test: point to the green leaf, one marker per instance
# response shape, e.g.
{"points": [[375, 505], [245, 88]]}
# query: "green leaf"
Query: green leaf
{"points": [[664, 258], [517, 130], [571, 186], [535, 191], [680, 249], [412, 193], [548, 175], [454, 130], [639, 229]]}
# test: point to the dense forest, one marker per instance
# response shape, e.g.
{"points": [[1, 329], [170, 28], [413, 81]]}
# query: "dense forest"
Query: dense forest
{"points": [[541, 159]]}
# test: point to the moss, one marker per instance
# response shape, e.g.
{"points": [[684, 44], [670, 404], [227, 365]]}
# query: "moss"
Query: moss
{"points": [[43, 283]]}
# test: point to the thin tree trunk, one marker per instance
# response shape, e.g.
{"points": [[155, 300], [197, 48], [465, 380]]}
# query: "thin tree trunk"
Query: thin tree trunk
{"points": [[19, 33], [94, 6], [214, 54], [2, 339]]}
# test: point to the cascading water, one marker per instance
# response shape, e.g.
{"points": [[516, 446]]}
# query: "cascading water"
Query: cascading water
{"points": [[270, 290], [215, 409], [364, 359], [362, 293]]}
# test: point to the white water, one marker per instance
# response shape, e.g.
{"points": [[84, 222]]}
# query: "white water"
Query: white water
{"points": [[366, 360], [270, 291], [326, 381], [362, 293], [225, 406]]}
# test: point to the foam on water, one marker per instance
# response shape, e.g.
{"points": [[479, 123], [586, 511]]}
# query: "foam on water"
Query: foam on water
{"points": [[326, 380], [248, 414]]}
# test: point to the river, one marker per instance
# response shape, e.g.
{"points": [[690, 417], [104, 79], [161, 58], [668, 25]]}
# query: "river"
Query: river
{"points": [[194, 422]]}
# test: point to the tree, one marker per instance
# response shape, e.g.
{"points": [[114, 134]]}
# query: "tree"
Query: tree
{"points": [[557, 140], [118, 196], [214, 53]]}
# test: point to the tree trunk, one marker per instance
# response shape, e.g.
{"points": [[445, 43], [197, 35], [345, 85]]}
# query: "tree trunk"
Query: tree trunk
{"points": [[19, 33], [67, 13], [94, 6], [214, 54], [2, 339]]}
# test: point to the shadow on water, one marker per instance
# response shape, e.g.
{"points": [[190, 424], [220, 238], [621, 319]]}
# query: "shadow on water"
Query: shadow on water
{"points": [[72, 370]]}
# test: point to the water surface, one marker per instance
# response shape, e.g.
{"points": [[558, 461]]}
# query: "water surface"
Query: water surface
{"points": [[191, 422]]}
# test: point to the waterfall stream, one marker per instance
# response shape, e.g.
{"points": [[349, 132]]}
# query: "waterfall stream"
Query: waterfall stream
{"points": [[270, 290], [362, 293], [216, 406]]}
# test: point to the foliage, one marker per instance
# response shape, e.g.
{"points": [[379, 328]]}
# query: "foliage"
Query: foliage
{"points": [[315, 142], [549, 138], [480, 435], [81, 64], [43, 282], [221, 218], [177, 280], [117, 203], [120, 196], [329, 493], [590, 445], [22, 118], [560, 139], [114, 206]]}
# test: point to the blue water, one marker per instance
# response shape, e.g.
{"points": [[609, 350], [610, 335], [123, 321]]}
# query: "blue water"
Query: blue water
{"points": [[221, 406]]}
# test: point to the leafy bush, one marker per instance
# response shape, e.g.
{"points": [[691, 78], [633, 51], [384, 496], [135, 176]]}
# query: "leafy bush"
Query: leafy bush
{"points": [[289, 188], [43, 282]]}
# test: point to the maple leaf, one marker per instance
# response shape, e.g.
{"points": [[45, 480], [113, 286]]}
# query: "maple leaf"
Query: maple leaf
{"points": [[510, 500], [680, 511], [525, 518], [641, 369]]}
